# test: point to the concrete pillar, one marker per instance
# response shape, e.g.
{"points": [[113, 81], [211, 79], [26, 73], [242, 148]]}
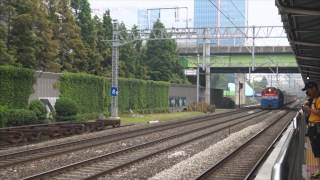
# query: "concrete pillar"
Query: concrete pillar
{"points": [[206, 56], [242, 79]]}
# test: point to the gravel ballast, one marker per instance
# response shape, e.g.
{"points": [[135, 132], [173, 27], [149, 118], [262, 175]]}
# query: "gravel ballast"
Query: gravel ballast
{"points": [[198, 163], [27, 169], [148, 168]]}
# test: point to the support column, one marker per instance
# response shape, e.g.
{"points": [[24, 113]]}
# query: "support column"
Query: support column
{"points": [[206, 56], [240, 78], [115, 72]]}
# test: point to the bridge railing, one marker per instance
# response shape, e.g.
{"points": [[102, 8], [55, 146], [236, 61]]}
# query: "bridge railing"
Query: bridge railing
{"points": [[288, 165]]}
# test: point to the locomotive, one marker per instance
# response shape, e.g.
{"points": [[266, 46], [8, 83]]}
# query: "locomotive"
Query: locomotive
{"points": [[272, 98]]}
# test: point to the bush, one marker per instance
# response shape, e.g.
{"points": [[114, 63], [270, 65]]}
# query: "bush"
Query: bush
{"points": [[66, 110], [20, 117], [3, 116], [38, 107], [87, 116]]}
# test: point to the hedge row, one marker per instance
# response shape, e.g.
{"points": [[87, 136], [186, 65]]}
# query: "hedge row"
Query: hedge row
{"points": [[15, 86], [87, 91], [92, 93]]}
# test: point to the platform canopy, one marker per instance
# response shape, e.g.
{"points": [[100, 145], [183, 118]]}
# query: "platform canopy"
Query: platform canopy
{"points": [[301, 20]]}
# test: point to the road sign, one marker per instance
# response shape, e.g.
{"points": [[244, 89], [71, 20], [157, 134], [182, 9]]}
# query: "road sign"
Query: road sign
{"points": [[114, 91]]}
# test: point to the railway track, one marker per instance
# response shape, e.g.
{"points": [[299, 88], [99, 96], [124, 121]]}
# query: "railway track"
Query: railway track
{"points": [[33, 154], [107, 163], [241, 163]]}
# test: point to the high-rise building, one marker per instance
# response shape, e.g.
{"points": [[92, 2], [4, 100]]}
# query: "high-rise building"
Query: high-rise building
{"points": [[221, 13], [147, 17], [171, 17], [143, 20]]}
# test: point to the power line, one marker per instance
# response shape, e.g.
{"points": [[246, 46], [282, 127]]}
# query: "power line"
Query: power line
{"points": [[228, 18], [238, 9]]}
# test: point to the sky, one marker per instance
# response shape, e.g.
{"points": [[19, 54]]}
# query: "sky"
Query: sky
{"points": [[260, 12]]}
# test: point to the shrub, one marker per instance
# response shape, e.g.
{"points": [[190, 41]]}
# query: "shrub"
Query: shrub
{"points": [[3, 116], [38, 107], [66, 110], [20, 117]]}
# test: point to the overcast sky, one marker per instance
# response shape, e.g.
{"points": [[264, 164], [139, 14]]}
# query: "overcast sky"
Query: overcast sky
{"points": [[261, 12]]}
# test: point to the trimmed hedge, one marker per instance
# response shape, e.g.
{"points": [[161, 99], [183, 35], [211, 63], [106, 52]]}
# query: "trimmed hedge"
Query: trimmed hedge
{"points": [[92, 94], [143, 96], [66, 110], [87, 91], [15, 86]]}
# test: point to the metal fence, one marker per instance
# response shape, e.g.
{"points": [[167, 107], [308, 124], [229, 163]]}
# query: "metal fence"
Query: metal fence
{"points": [[288, 165]]}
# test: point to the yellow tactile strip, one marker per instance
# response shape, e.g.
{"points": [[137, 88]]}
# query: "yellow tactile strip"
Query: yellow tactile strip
{"points": [[311, 164]]}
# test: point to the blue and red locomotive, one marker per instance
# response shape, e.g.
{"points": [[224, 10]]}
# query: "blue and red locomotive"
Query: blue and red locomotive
{"points": [[272, 98]]}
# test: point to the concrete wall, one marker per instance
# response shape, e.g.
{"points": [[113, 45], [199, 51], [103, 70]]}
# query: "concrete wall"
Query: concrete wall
{"points": [[184, 92], [44, 85]]}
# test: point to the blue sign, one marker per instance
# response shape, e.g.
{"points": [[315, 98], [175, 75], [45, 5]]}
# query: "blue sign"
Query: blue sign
{"points": [[114, 91]]}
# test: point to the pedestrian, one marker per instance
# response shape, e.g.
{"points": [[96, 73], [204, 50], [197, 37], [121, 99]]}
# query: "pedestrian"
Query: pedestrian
{"points": [[313, 113]]}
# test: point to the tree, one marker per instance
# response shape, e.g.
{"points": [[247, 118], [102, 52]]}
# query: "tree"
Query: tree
{"points": [[5, 19], [162, 57], [260, 85], [23, 37], [104, 33], [72, 52]]}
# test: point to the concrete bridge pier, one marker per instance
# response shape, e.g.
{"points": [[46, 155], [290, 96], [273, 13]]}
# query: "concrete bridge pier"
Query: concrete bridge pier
{"points": [[240, 79]]}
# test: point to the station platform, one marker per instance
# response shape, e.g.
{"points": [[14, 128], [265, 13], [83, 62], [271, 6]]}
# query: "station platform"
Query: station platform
{"points": [[311, 165]]}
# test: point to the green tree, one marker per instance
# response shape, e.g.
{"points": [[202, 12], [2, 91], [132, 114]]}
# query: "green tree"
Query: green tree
{"points": [[5, 19], [260, 85], [162, 57], [24, 38], [72, 52], [83, 17], [103, 46]]}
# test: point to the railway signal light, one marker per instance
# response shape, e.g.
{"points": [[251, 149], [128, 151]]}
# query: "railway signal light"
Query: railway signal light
{"points": [[240, 85]]}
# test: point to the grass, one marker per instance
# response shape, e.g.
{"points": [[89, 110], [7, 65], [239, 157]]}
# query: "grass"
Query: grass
{"points": [[127, 119]]}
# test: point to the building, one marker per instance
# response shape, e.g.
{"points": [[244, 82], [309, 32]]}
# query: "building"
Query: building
{"points": [[147, 17], [143, 20], [221, 13], [171, 17]]}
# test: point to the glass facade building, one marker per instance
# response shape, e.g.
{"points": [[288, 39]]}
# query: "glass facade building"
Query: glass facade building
{"points": [[234, 14], [146, 18], [143, 20]]}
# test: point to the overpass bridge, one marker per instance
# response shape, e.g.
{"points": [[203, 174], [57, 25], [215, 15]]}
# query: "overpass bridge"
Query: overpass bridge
{"points": [[193, 49]]}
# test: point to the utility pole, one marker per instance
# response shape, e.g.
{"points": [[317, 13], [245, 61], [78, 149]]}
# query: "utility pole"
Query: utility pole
{"points": [[198, 78], [115, 73], [206, 54], [253, 48]]}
